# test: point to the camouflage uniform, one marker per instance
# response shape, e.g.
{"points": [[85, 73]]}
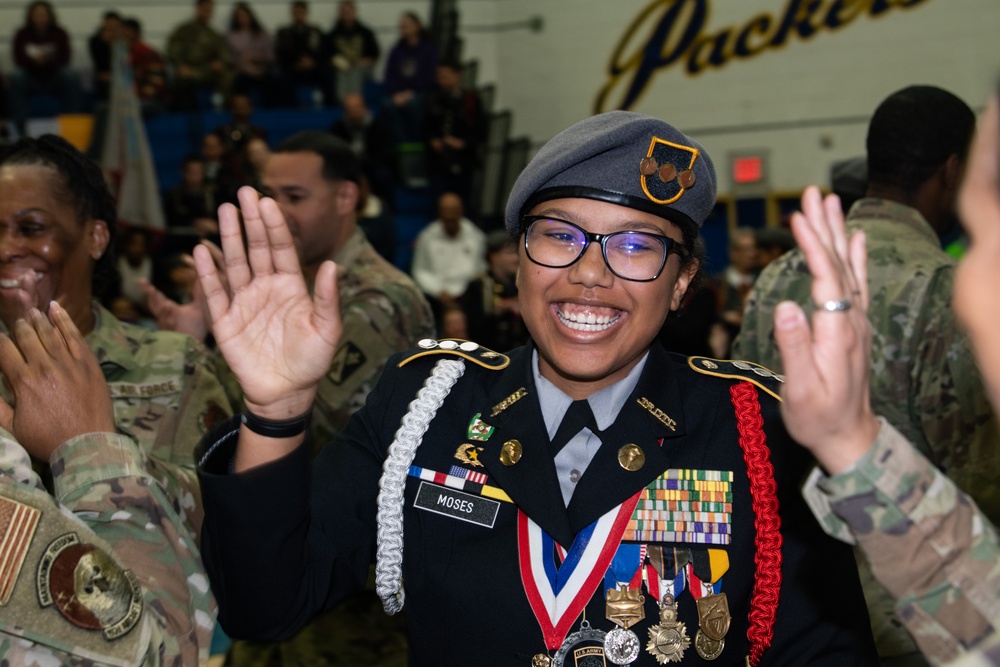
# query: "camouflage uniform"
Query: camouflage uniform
{"points": [[113, 513], [383, 312], [926, 541], [165, 396], [197, 45], [924, 379]]}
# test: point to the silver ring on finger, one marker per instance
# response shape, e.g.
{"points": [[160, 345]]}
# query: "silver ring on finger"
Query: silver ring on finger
{"points": [[838, 306]]}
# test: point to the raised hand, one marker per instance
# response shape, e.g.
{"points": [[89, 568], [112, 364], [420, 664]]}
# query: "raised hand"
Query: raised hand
{"points": [[826, 404], [58, 387], [277, 340]]}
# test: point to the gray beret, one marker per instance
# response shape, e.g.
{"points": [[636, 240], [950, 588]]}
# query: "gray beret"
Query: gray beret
{"points": [[623, 158]]}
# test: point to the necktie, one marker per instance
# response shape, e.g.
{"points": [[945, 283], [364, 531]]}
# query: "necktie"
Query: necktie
{"points": [[576, 418]]}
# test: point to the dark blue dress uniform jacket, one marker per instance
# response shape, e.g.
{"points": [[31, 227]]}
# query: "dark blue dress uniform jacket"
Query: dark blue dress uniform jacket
{"points": [[286, 540]]}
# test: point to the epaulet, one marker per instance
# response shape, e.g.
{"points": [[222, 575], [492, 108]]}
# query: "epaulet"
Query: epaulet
{"points": [[465, 349], [766, 379]]}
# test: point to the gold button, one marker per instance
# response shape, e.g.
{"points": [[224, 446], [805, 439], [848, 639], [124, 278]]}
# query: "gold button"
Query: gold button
{"points": [[631, 457], [686, 178], [648, 166], [511, 453]]}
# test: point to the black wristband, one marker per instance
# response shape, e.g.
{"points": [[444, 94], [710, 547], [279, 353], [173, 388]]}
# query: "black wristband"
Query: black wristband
{"points": [[276, 428]]}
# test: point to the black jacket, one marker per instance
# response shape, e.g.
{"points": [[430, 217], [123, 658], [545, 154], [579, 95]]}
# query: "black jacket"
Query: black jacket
{"points": [[280, 543]]}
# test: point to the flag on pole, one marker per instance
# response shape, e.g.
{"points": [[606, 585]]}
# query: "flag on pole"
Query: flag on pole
{"points": [[126, 159]]}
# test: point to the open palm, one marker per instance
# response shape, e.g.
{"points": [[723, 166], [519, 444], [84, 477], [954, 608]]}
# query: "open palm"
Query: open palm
{"points": [[277, 340]]}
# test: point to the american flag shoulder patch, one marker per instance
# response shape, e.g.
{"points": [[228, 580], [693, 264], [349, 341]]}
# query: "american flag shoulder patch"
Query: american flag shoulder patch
{"points": [[17, 528]]}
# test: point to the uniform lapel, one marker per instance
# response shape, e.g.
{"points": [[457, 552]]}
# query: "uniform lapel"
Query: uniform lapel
{"points": [[643, 421], [531, 482]]}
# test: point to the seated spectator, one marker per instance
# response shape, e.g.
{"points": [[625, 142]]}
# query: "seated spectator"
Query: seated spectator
{"points": [[134, 264], [352, 51], [190, 207], [253, 55], [490, 301], [409, 76], [455, 126], [243, 165], [42, 55], [213, 151], [376, 221], [733, 285], [100, 52], [368, 137], [200, 57], [299, 51], [240, 126], [149, 70], [448, 254]]}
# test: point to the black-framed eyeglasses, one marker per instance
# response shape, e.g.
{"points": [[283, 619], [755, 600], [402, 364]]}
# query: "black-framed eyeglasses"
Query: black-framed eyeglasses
{"points": [[638, 256]]}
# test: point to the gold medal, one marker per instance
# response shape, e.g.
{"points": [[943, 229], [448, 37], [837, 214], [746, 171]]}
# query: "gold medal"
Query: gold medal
{"points": [[713, 616], [708, 648], [624, 609], [668, 639]]}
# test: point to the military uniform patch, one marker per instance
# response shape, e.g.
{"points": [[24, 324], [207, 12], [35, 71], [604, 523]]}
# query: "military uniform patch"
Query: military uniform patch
{"points": [[346, 361], [17, 528], [88, 587]]}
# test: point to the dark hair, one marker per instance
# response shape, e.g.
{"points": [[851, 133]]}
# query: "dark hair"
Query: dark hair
{"points": [[48, 7], [111, 14], [451, 63], [254, 23], [300, 3], [82, 185], [913, 132], [134, 24], [192, 157], [421, 30], [339, 161]]}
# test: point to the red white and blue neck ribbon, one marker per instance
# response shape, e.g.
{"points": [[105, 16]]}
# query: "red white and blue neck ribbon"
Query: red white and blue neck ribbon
{"points": [[558, 593]]}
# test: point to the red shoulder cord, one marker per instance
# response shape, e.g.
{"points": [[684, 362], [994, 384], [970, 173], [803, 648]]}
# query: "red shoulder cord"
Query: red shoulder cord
{"points": [[767, 523]]}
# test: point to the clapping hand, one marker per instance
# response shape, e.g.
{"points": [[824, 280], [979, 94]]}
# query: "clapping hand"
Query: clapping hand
{"points": [[277, 340], [58, 388], [826, 404]]}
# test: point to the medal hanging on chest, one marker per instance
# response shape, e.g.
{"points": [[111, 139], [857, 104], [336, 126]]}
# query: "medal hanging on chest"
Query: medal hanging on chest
{"points": [[558, 593], [665, 581], [624, 603], [713, 606]]}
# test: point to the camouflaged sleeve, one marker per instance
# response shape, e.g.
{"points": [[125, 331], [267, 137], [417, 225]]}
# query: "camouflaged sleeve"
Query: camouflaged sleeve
{"points": [[16, 464], [376, 325], [925, 541], [117, 507]]}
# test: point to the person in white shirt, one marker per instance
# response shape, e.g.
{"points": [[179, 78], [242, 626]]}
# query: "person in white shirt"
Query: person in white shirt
{"points": [[449, 253]]}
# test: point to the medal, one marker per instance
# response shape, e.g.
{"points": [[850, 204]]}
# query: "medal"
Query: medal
{"points": [[624, 603], [713, 608], [665, 580], [668, 639], [575, 645], [541, 660]]}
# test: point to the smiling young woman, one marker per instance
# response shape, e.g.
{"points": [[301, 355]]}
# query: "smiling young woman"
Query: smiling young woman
{"points": [[586, 496]]}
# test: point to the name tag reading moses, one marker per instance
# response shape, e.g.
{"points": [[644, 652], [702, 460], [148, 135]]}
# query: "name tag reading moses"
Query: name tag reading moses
{"points": [[456, 504]]}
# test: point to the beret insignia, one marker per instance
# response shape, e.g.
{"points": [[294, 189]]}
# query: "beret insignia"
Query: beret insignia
{"points": [[667, 170]]}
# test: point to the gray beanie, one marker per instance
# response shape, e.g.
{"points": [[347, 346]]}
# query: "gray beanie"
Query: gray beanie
{"points": [[623, 158]]}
